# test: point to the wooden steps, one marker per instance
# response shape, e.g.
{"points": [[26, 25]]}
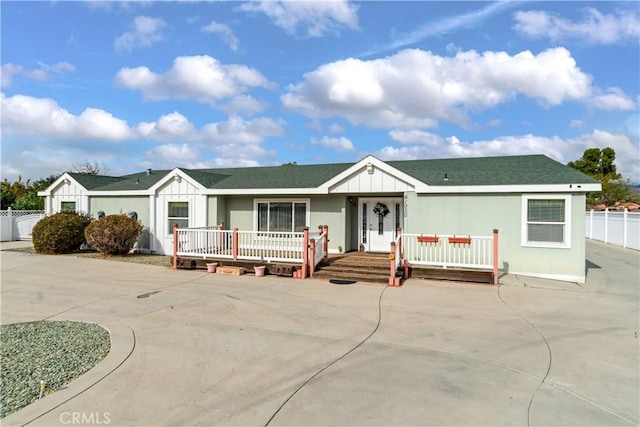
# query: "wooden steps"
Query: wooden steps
{"points": [[357, 266]]}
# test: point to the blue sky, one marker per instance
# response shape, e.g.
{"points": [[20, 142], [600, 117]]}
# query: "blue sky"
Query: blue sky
{"points": [[137, 85]]}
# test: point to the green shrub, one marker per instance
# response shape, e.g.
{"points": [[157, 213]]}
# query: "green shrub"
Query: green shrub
{"points": [[113, 234], [60, 233]]}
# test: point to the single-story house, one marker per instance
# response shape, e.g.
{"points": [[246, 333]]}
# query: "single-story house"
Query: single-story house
{"points": [[536, 203]]}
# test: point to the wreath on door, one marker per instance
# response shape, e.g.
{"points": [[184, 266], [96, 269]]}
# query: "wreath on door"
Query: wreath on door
{"points": [[381, 210]]}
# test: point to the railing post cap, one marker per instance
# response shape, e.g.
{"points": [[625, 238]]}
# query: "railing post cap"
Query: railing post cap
{"points": [[495, 230]]}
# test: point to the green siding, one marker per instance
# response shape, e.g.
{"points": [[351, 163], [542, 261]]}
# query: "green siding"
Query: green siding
{"points": [[331, 211], [216, 211], [124, 205], [240, 211], [479, 214]]}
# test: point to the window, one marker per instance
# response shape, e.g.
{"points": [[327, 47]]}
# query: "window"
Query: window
{"points": [[67, 206], [546, 221], [178, 214], [282, 216]]}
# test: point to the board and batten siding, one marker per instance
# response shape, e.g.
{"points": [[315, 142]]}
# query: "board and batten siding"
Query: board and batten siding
{"points": [[479, 214], [68, 192], [377, 182], [181, 190]]}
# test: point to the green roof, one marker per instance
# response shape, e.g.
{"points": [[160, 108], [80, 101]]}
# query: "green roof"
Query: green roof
{"points": [[91, 182], [286, 176], [503, 170]]}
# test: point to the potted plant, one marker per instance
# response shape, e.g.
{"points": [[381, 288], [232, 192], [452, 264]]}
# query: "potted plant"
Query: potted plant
{"points": [[211, 267]]}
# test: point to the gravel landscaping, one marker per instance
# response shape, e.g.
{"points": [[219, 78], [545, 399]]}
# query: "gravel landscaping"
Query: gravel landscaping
{"points": [[56, 352]]}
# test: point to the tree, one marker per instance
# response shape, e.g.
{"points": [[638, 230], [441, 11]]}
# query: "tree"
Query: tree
{"points": [[91, 168], [597, 163], [24, 195], [600, 164]]}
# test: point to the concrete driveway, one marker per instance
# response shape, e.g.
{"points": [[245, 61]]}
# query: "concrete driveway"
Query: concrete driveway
{"points": [[191, 348]]}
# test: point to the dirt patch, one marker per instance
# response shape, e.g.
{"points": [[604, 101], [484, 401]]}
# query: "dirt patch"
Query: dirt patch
{"points": [[148, 259]]}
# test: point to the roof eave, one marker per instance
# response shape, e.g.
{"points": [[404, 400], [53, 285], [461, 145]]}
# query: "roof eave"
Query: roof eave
{"points": [[518, 188]]}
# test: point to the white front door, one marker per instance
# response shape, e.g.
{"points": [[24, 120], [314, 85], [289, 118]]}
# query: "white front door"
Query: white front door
{"points": [[379, 218]]}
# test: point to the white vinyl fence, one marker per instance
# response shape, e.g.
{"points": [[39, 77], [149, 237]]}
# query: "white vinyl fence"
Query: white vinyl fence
{"points": [[614, 227], [17, 225]]}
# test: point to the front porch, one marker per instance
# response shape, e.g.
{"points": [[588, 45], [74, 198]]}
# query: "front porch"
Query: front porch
{"points": [[305, 254]]}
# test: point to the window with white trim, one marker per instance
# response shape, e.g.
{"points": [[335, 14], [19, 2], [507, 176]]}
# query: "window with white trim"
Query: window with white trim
{"points": [[67, 206], [177, 214], [546, 221], [282, 215]]}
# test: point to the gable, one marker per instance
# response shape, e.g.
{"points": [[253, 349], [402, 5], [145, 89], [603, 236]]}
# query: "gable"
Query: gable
{"points": [[371, 175], [370, 180]]}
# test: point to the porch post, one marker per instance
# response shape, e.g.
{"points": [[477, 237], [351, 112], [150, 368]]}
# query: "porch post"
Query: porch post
{"points": [[235, 244], [312, 257], [305, 252], [495, 256], [393, 280], [325, 229], [222, 240], [175, 246], [399, 234]]}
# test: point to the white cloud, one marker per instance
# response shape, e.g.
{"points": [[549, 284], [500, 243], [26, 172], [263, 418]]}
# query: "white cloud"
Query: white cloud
{"points": [[202, 78], [43, 117], [168, 127], [225, 33], [576, 123], [335, 128], [416, 88], [146, 32], [442, 26], [110, 5], [169, 156], [27, 115], [337, 144], [238, 130], [316, 17], [9, 71], [243, 104], [613, 99], [424, 145], [595, 27], [239, 154]]}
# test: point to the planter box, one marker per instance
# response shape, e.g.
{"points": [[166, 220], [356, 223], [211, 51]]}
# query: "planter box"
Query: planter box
{"points": [[460, 240], [230, 271], [428, 239]]}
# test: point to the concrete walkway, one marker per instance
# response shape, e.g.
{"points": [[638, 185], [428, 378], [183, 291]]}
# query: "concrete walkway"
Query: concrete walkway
{"points": [[190, 348]]}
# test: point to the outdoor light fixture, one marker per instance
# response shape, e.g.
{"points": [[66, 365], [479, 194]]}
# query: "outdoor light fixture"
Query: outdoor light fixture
{"points": [[177, 178], [369, 168]]}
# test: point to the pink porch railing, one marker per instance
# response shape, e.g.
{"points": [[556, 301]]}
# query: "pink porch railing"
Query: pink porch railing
{"points": [[308, 249], [478, 252]]}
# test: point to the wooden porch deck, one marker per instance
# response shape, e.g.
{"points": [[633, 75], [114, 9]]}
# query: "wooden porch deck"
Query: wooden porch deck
{"points": [[355, 266]]}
